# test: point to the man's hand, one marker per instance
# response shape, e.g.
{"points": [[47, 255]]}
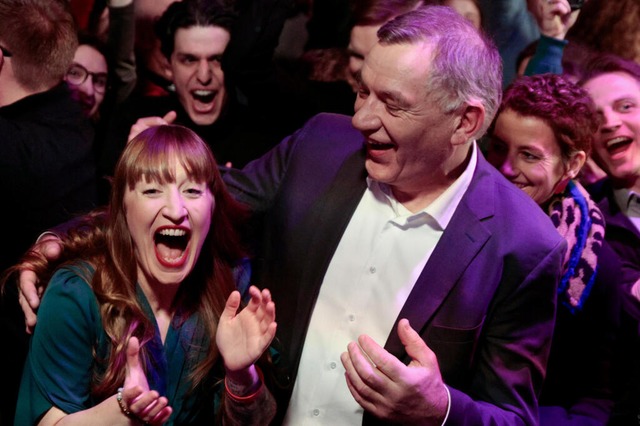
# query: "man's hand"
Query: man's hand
{"points": [[384, 386], [145, 122], [146, 405], [30, 288], [554, 17]]}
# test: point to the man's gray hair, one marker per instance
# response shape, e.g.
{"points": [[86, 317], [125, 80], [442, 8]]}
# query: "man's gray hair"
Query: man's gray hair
{"points": [[465, 66]]}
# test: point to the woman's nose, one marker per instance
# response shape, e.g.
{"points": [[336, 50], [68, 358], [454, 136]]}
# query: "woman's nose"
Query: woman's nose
{"points": [[507, 168], [175, 208]]}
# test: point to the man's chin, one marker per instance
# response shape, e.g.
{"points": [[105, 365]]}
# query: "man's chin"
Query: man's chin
{"points": [[204, 119], [377, 171]]}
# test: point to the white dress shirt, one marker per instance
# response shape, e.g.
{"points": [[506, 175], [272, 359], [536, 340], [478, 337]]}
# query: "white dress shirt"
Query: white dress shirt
{"points": [[376, 264]]}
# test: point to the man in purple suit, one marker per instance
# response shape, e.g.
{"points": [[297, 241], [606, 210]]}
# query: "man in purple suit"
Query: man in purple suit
{"points": [[414, 284], [393, 216]]}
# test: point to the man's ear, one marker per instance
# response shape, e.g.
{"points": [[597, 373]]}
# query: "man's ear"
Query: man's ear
{"points": [[166, 70], [469, 122]]}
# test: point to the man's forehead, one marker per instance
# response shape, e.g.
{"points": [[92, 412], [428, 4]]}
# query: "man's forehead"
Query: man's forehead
{"points": [[616, 82], [202, 33], [212, 37], [404, 58]]}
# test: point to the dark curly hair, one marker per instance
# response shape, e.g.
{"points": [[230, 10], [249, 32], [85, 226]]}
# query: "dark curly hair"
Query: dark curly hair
{"points": [[561, 104]]}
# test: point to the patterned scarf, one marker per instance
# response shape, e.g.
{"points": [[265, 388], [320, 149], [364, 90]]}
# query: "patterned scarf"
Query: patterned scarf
{"points": [[580, 222]]}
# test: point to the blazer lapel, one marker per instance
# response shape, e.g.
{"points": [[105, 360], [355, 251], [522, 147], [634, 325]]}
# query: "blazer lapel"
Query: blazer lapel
{"points": [[614, 216], [311, 246], [326, 223], [463, 238]]}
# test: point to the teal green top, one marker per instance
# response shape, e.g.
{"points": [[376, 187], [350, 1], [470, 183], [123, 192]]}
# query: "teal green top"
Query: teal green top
{"points": [[61, 362]]}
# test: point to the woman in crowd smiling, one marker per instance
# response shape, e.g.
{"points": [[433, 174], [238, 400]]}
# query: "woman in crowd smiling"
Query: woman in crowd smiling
{"points": [[540, 140], [134, 326]]}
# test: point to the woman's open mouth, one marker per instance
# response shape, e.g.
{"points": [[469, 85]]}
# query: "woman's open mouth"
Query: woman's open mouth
{"points": [[172, 246]]}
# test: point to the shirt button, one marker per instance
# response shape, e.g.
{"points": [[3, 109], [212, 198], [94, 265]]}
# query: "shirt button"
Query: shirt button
{"points": [[352, 318], [333, 365], [316, 412], [372, 269]]}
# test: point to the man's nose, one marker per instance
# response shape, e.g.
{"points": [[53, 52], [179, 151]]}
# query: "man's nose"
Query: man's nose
{"points": [[204, 72], [366, 117], [611, 120]]}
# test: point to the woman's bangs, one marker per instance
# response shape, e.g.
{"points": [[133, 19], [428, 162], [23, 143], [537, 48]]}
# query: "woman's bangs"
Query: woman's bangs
{"points": [[155, 162]]}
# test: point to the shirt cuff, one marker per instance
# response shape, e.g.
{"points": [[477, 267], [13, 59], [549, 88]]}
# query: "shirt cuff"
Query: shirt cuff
{"points": [[446, 416], [47, 234], [635, 290]]}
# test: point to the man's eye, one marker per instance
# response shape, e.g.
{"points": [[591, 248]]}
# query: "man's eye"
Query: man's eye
{"points": [[363, 93], [392, 108], [625, 107]]}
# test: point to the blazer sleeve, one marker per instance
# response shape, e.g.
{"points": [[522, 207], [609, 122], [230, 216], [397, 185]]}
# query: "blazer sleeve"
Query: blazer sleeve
{"points": [[258, 183]]}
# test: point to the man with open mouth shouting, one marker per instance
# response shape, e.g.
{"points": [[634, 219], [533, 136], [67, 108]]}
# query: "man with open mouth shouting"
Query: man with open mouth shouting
{"points": [[614, 86], [194, 36]]}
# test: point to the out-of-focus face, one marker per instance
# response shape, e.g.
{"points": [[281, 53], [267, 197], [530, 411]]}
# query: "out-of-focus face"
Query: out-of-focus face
{"points": [[197, 74], [362, 39], [617, 144], [147, 44], [526, 152], [90, 93], [407, 136], [168, 224], [468, 9]]}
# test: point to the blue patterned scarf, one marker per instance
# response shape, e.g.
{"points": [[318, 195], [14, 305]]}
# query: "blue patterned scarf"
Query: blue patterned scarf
{"points": [[580, 222]]}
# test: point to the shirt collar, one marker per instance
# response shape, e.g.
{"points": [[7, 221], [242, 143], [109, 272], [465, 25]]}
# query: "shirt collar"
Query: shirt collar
{"points": [[628, 201], [443, 207]]}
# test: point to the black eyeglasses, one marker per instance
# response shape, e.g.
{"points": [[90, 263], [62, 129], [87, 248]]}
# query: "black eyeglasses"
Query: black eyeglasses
{"points": [[5, 52], [78, 74]]}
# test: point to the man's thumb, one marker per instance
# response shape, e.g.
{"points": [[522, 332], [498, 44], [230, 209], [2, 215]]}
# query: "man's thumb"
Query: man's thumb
{"points": [[416, 348]]}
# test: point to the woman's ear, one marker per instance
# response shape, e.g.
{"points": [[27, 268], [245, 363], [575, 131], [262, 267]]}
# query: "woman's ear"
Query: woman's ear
{"points": [[575, 163]]}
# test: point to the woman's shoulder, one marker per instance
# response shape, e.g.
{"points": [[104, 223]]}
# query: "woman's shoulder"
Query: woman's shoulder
{"points": [[71, 281]]}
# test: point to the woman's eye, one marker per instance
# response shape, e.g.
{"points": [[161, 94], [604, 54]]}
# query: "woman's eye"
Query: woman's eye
{"points": [[150, 191]]}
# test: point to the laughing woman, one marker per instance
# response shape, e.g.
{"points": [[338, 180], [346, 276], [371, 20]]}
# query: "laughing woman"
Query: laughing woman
{"points": [[539, 140], [134, 327]]}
